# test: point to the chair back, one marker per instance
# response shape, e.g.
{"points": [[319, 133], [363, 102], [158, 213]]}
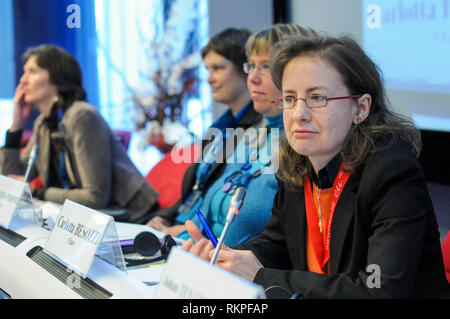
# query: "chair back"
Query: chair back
{"points": [[124, 137], [167, 175]]}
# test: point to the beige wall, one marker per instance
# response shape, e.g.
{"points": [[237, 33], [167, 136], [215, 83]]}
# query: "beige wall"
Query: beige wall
{"points": [[345, 17], [254, 15], [336, 17]]}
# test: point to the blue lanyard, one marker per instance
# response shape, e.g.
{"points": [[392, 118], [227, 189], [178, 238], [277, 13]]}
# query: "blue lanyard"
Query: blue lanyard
{"points": [[62, 163], [209, 159], [201, 175], [241, 178]]}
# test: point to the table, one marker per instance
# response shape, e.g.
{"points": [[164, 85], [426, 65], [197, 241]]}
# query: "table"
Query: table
{"points": [[27, 272]]}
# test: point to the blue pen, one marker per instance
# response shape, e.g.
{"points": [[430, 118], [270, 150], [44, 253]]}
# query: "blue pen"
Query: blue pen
{"points": [[208, 230]]}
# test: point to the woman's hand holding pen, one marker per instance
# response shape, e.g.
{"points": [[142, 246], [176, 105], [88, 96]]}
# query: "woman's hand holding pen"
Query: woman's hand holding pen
{"points": [[203, 248], [240, 262]]}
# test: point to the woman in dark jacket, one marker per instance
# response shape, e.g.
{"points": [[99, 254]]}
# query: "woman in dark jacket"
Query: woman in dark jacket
{"points": [[352, 217]]}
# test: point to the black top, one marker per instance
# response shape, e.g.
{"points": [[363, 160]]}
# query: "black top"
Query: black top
{"points": [[13, 139], [326, 176], [384, 218]]}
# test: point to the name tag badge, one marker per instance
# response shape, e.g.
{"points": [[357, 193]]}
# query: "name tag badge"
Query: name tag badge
{"points": [[81, 233], [189, 202], [189, 277], [16, 200]]}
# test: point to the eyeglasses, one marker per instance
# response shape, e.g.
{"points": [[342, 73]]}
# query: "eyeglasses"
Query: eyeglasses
{"points": [[312, 101], [250, 67]]}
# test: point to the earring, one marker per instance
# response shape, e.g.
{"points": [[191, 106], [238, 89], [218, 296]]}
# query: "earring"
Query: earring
{"points": [[355, 122]]}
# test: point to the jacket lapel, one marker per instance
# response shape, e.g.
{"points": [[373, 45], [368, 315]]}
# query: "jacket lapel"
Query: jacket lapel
{"points": [[44, 154], [342, 219], [296, 229]]}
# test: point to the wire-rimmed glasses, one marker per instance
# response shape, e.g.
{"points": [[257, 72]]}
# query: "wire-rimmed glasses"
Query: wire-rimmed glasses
{"points": [[312, 101], [250, 67]]}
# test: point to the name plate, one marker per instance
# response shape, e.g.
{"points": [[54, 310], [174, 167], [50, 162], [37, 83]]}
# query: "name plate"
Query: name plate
{"points": [[11, 193], [189, 277], [77, 235]]}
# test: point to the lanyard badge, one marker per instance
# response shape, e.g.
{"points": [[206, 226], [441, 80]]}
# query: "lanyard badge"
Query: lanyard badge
{"points": [[321, 247], [190, 200], [202, 174]]}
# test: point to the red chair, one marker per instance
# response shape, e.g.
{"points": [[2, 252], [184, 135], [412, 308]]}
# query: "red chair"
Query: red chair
{"points": [[25, 139], [167, 175], [446, 254]]}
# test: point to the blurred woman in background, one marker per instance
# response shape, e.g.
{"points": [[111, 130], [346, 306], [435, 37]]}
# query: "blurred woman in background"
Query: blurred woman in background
{"points": [[255, 157], [79, 158]]}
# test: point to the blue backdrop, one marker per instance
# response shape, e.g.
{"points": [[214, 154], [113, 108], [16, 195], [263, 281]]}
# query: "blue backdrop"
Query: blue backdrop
{"points": [[7, 53]]}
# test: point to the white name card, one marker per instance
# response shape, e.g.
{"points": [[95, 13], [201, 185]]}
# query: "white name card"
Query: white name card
{"points": [[11, 192], [77, 235], [189, 277]]}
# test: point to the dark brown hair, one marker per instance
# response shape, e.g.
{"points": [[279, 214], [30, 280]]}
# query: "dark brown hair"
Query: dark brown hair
{"points": [[230, 43], [64, 71], [360, 75]]}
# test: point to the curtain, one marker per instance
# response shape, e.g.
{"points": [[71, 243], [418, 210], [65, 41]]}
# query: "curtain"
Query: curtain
{"points": [[7, 53], [131, 37]]}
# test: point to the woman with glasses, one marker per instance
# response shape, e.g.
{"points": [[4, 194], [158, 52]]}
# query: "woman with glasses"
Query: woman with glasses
{"points": [[352, 217], [252, 163], [223, 57]]}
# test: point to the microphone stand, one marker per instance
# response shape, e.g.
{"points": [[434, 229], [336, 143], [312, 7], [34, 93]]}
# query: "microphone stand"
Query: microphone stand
{"points": [[219, 244], [33, 155], [236, 202]]}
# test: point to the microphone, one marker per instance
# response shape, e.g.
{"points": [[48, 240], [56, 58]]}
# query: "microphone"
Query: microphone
{"points": [[33, 155], [235, 205]]}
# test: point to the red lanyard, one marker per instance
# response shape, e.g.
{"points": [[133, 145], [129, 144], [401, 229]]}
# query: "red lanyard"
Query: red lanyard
{"points": [[321, 249]]}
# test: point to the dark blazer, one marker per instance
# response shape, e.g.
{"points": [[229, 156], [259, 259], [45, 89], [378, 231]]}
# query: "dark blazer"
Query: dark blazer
{"points": [[384, 217], [249, 119]]}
